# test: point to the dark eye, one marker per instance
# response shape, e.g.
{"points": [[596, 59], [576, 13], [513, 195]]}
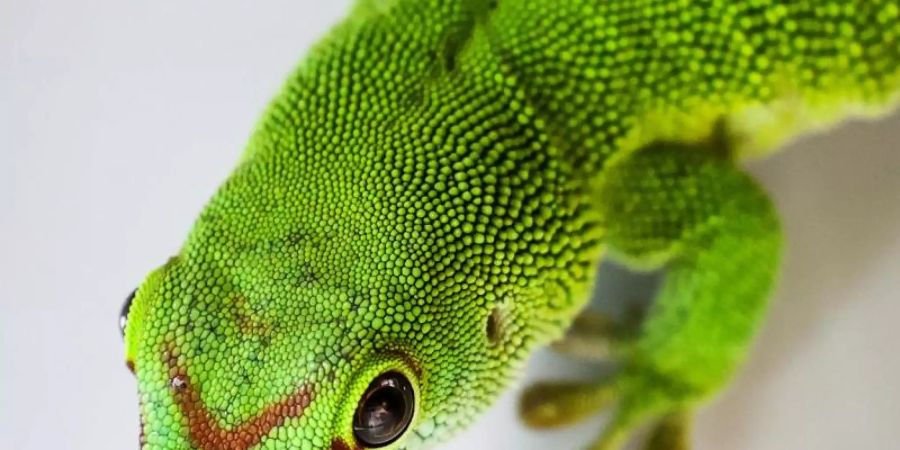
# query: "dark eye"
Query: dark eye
{"points": [[384, 411], [123, 315]]}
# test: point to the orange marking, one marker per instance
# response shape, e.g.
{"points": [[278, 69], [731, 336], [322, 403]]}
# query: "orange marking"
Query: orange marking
{"points": [[206, 433], [339, 444]]}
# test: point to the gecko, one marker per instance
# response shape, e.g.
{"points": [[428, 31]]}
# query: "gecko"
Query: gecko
{"points": [[427, 199]]}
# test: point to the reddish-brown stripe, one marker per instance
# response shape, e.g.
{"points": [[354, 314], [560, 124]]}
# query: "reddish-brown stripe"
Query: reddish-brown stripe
{"points": [[339, 444], [205, 432]]}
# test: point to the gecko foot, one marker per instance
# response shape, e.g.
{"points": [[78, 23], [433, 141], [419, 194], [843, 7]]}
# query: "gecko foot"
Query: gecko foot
{"points": [[556, 404]]}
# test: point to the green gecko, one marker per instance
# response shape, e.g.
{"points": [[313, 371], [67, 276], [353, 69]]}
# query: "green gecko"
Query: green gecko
{"points": [[425, 203]]}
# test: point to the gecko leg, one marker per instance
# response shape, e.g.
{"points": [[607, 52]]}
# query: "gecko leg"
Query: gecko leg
{"points": [[672, 432], [554, 404], [715, 234], [592, 336]]}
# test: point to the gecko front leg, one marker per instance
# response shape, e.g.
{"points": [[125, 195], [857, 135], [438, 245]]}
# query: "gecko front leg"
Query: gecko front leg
{"points": [[714, 232]]}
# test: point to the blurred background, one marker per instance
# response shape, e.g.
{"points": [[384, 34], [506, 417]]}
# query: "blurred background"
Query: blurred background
{"points": [[119, 119]]}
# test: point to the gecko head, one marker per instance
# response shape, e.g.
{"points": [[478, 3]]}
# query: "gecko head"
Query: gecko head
{"points": [[230, 352]]}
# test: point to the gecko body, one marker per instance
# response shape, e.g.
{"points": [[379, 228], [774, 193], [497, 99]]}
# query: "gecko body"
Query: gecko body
{"points": [[426, 200]]}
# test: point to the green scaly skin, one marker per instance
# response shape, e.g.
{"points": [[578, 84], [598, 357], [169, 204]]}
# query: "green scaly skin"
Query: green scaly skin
{"points": [[431, 192]]}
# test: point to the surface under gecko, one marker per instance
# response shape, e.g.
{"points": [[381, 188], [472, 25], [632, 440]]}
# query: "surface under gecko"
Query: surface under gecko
{"points": [[431, 192]]}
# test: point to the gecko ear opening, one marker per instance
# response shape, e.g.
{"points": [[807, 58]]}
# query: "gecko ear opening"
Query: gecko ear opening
{"points": [[385, 410]]}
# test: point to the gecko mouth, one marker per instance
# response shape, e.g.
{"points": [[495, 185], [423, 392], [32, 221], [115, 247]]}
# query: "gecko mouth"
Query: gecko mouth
{"points": [[204, 431]]}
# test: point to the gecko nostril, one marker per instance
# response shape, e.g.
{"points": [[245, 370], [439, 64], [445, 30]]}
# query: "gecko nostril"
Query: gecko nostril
{"points": [[178, 383]]}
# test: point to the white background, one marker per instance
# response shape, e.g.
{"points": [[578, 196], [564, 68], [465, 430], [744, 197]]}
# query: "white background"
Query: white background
{"points": [[119, 118]]}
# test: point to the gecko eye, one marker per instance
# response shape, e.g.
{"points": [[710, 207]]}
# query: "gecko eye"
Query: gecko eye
{"points": [[123, 315], [384, 411]]}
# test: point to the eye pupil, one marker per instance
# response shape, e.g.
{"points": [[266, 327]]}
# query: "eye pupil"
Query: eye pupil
{"points": [[381, 409], [123, 315], [385, 410]]}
